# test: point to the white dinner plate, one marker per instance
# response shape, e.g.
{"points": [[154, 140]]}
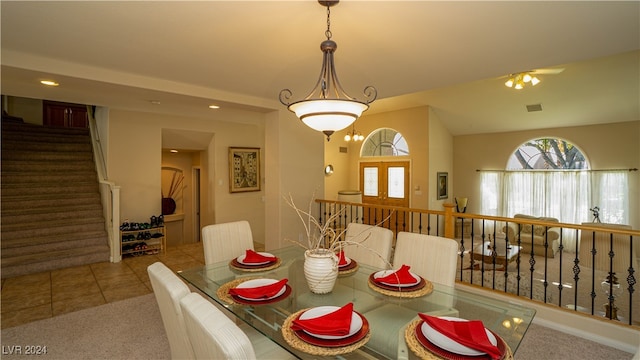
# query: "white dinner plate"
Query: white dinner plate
{"points": [[356, 321], [384, 273], [260, 282], [348, 260], [241, 258], [442, 341]]}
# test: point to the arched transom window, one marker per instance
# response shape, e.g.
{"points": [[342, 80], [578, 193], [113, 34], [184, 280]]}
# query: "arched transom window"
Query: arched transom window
{"points": [[547, 154], [385, 142]]}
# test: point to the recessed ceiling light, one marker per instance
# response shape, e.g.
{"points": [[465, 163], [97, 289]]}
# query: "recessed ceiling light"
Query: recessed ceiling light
{"points": [[155, 102], [214, 107], [49, 82], [173, 151]]}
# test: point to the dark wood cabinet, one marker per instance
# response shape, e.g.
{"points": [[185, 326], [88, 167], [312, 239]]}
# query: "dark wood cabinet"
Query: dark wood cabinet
{"points": [[64, 114]]}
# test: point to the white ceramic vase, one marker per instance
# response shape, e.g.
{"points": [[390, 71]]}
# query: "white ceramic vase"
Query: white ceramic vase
{"points": [[320, 270]]}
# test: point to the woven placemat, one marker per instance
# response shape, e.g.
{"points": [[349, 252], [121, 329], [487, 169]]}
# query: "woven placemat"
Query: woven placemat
{"points": [[223, 291], [350, 270], [295, 342], [256, 269], [427, 289], [424, 353]]}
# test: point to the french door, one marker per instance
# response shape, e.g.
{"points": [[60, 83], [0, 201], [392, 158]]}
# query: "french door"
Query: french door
{"points": [[385, 184]]}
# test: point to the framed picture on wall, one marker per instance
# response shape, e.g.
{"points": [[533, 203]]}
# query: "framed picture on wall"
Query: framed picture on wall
{"points": [[443, 185], [244, 169]]}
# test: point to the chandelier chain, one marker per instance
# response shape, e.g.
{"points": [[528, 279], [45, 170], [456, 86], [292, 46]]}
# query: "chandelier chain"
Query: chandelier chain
{"points": [[328, 32]]}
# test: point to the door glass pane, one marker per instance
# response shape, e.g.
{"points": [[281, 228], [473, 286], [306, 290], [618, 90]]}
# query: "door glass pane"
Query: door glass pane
{"points": [[371, 181], [395, 182]]}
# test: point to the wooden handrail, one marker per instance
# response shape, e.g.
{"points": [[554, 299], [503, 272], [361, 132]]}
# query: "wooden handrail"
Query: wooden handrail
{"points": [[450, 215]]}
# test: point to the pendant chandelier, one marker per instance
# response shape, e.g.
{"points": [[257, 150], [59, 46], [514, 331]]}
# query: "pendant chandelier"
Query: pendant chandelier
{"points": [[353, 135], [328, 108]]}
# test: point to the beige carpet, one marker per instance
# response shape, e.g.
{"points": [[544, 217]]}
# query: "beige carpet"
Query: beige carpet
{"points": [[133, 329], [128, 329]]}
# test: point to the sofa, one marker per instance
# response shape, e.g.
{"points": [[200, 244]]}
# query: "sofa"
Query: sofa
{"points": [[540, 234]]}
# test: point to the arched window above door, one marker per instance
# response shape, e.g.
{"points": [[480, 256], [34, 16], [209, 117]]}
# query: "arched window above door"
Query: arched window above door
{"points": [[384, 142]]}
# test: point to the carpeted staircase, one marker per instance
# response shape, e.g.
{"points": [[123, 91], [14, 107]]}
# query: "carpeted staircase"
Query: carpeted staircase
{"points": [[51, 209]]}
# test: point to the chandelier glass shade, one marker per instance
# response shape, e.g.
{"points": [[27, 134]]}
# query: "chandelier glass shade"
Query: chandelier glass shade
{"points": [[328, 108], [519, 81]]}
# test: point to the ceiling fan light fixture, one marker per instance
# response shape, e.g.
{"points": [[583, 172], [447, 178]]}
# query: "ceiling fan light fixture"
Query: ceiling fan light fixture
{"points": [[328, 108], [49, 83], [518, 81]]}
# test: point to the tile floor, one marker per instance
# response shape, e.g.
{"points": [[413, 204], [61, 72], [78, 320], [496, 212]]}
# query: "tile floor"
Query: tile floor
{"points": [[43, 295]]}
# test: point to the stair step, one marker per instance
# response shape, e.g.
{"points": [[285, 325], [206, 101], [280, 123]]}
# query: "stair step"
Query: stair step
{"points": [[50, 214], [45, 228], [53, 243], [48, 146], [62, 189], [43, 177], [44, 210], [54, 132], [29, 264], [83, 185], [39, 166], [29, 138], [19, 155], [47, 201]]}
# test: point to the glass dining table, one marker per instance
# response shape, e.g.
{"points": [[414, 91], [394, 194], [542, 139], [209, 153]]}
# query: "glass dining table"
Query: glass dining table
{"points": [[388, 316]]}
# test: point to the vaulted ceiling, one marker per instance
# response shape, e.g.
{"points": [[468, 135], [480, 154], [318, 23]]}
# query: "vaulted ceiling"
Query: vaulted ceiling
{"points": [[450, 55]]}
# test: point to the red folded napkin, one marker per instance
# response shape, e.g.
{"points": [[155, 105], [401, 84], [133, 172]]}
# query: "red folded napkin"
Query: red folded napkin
{"points": [[259, 292], [342, 260], [468, 333], [336, 323], [251, 257], [401, 276]]}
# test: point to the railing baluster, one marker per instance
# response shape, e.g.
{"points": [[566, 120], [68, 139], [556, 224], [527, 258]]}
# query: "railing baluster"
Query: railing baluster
{"points": [[560, 286], [631, 280], [593, 272], [576, 274]]}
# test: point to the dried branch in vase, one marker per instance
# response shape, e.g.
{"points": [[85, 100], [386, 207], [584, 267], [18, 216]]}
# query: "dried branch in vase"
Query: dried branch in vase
{"points": [[174, 186], [323, 236]]}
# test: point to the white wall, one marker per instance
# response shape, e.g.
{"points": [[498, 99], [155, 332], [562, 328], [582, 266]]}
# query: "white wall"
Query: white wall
{"points": [[30, 110], [294, 165], [440, 160], [135, 160]]}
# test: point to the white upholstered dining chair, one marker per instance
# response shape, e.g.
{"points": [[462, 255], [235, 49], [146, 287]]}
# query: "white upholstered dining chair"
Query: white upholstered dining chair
{"points": [[169, 290], [225, 241], [376, 244], [432, 257], [214, 336]]}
